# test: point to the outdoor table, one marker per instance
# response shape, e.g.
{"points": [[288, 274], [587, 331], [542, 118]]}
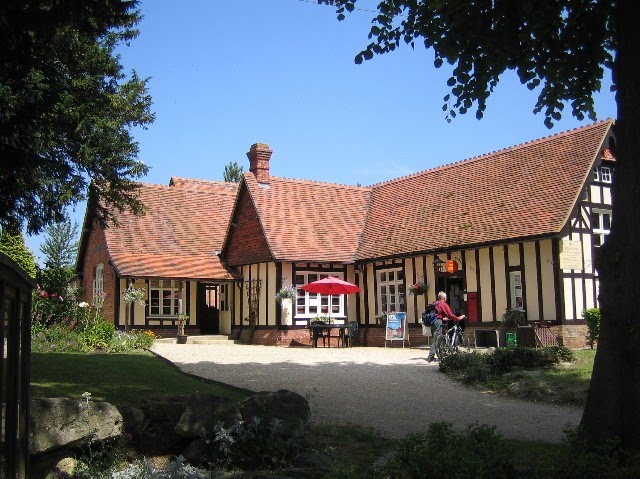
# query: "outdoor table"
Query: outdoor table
{"points": [[317, 329]]}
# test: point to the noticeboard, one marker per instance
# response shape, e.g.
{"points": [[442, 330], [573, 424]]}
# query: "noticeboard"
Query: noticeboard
{"points": [[511, 339], [396, 329]]}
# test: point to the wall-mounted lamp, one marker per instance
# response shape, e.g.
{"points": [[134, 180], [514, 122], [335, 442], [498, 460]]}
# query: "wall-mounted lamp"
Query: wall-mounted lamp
{"points": [[438, 264]]}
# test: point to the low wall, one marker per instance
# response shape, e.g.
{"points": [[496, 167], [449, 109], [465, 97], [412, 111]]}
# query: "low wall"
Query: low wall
{"points": [[293, 337]]}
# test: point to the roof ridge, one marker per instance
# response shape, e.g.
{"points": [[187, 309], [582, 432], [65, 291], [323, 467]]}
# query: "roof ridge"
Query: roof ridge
{"points": [[320, 183], [517, 146], [202, 180]]}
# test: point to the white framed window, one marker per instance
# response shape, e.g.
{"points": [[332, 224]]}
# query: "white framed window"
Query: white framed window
{"points": [[602, 173], [600, 226], [98, 287], [164, 297], [515, 281], [310, 305], [390, 294]]}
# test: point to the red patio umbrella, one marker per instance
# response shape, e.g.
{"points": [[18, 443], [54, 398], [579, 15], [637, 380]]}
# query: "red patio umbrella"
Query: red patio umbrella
{"points": [[330, 285]]}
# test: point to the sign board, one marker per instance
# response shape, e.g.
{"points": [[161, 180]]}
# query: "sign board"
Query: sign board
{"points": [[396, 329], [511, 339], [451, 266], [571, 255]]}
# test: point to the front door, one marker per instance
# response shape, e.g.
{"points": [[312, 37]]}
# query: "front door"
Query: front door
{"points": [[453, 287]]}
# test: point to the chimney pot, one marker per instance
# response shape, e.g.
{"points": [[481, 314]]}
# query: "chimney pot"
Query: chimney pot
{"points": [[259, 155]]}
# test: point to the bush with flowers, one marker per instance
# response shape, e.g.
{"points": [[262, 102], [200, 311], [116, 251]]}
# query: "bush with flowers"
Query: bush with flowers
{"points": [[61, 323]]}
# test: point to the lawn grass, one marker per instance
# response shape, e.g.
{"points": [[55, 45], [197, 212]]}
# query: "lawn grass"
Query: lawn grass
{"points": [[565, 383], [123, 379]]}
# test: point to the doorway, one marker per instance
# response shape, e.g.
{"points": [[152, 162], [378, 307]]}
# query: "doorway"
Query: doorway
{"points": [[454, 287], [209, 308]]}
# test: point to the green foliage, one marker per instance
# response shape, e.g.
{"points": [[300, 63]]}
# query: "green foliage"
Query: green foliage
{"points": [[537, 41], [66, 326], [67, 110], [15, 248], [474, 367], [603, 459], [592, 318], [479, 452], [60, 245], [268, 446], [233, 172], [513, 318], [55, 279]]}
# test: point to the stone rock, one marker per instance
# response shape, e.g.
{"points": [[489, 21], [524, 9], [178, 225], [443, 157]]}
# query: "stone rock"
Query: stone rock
{"points": [[133, 419], [59, 422], [65, 468], [161, 417], [203, 411], [289, 407]]}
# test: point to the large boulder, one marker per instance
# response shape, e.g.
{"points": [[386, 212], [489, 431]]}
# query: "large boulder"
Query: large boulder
{"points": [[59, 422], [161, 416], [290, 408], [203, 411]]}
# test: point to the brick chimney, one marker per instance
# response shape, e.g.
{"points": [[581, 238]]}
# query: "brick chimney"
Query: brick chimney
{"points": [[259, 155]]}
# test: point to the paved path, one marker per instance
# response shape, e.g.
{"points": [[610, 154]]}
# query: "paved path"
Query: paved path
{"points": [[393, 390]]}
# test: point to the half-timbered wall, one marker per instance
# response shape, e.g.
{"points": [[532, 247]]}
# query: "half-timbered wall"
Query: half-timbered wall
{"points": [[141, 316], [267, 278], [488, 272], [579, 246]]}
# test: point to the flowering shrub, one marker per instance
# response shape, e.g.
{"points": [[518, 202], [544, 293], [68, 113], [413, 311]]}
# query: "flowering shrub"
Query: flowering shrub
{"points": [[418, 288]]}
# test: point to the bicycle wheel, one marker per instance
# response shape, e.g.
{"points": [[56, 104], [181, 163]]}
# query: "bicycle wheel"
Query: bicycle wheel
{"points": [[442, 347]]}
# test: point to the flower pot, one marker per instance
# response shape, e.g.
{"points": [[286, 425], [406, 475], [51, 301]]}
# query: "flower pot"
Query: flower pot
{"points": [[181, 339], [286, 306]]}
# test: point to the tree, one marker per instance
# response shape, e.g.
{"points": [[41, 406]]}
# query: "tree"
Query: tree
{"points": [[233, 172], [15, 248], [59, 248], [562, 48], [60, 244], [66, 110]]}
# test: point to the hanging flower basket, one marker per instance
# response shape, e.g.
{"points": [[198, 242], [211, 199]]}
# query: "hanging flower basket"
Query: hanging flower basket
{"points": [[418, 288]]}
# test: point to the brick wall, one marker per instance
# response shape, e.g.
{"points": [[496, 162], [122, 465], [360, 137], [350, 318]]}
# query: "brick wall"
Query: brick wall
{"points": [[302, 337], [573, 336], [96, 253], [247, 244]]}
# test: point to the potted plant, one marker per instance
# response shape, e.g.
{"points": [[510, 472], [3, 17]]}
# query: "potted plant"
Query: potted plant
{"points": [[131, 296], [182, 321], [381, 319], [285, 297]]}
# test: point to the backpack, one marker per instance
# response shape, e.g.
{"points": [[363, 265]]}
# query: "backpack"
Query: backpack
{"points": [[429, 314]]}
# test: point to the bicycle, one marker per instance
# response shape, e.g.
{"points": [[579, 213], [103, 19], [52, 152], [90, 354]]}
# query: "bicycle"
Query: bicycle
{"points": [[452, 341]]}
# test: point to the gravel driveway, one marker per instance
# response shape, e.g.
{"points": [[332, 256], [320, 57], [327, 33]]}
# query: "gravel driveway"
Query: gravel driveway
{"points": [[393, 390]]}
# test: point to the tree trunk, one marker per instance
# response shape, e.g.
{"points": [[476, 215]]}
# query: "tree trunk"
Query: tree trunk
{"points": [[613, 401]]}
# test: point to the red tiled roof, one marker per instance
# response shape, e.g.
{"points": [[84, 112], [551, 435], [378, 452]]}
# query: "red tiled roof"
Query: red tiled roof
{"points": [[309, 221], [523, 191], [179, 235]]}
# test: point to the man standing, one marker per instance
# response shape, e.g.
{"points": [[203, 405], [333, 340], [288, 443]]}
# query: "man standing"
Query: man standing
{"points": [[443, 312]]}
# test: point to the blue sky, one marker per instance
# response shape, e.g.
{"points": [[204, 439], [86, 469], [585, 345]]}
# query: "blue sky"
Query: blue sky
{"points": [[227, 74]]}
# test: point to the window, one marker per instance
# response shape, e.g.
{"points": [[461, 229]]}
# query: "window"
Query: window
{"points": [[600, 226], [602, 173], [515, 280], [390, 290], [98, 287], [309, 305], [164, 298]]}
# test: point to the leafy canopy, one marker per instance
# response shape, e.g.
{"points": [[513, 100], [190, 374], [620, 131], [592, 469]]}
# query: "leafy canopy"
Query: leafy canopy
{"points": [[15, 248], [560, 47], [60, 244], [66, 110]]}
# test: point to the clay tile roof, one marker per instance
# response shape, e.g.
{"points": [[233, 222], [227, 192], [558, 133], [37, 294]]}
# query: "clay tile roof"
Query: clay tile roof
{"points": [[310, 221], [523, 191], [179, 235]]}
